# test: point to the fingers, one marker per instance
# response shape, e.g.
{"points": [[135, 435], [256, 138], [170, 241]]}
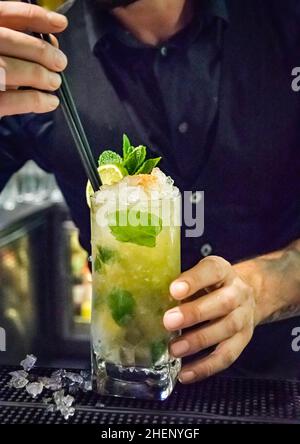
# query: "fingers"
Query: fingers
{"points": [[18, 45], [24, 17], [29, 61], [21, 102], [21, 73], [211, 271], [54, 41], [210, 334], [222, 358], [206, 308]]}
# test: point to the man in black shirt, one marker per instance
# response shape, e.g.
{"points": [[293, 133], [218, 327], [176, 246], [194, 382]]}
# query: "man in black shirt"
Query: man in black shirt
{"points": [[207, 85]]}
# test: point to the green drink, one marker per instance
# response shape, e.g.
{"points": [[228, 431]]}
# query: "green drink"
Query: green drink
{"points": [[136, 255]]}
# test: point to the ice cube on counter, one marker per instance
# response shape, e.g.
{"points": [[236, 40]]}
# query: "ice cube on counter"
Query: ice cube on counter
{"points": [[64, 403], [74, 377], [52, 383], [28, 363], [34, 388], [18, 382]]}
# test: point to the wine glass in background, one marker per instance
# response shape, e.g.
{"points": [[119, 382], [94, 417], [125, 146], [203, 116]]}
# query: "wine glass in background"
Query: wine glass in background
{"points": [[9, 195], [30, 185]]}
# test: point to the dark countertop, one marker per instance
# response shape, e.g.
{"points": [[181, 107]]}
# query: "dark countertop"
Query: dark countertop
{"points": [[218, 400]]}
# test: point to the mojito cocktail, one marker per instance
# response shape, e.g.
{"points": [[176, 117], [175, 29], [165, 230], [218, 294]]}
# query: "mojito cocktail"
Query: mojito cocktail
{"points": [[136, 255]]}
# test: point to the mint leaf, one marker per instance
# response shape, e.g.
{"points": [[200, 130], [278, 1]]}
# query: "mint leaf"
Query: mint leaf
{"points": [[135, 159], [148, 166], [97, 264], [106, 254], [121, 304], [127, 147], [136, 227], [110, 157], [157, 350]]}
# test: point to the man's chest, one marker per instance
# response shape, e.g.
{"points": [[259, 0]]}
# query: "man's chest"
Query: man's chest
{"points": [[251, 164], [247, 120]]}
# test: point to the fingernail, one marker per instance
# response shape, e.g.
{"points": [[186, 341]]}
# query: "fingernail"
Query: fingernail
{"points": [[54, 80], [180, 348], [60, 59], [187, 376], [57, 20], [179, 288], [173, 318], [53, 102]]}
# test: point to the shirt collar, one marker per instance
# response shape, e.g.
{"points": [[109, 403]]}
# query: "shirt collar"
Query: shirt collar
{"points": [[217, 8], [100, 23]]}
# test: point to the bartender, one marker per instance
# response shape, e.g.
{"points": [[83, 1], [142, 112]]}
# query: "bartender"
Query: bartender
{"points": [[206, 84]]}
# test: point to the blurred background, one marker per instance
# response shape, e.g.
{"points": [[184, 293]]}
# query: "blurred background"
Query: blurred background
{"points": [[45, 282], [50, 4]]}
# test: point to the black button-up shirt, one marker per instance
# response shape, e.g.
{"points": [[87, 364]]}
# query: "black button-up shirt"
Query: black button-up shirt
{"points": [[222, 113], [174, 104]]}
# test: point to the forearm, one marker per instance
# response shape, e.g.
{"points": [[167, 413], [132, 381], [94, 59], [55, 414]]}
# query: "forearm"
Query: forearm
{"points": [[275, 279]]}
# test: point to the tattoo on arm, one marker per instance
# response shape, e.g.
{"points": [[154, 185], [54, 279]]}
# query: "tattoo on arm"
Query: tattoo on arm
{"points": [[285, 313], [283, 274]]}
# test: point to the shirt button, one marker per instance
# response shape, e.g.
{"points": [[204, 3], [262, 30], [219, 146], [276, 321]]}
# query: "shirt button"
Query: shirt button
{"points": [[196, 197], [164, 51], [183, 127], [206, 250]]}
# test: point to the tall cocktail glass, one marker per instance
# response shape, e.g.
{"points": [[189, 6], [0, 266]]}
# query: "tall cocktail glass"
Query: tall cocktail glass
{"points": [[136, 255]]}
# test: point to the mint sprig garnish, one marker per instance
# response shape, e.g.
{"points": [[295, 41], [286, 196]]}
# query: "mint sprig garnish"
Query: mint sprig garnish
{"points": [[133, 161], [136, 227], [110, 157], [148, 166], [127, 147]]}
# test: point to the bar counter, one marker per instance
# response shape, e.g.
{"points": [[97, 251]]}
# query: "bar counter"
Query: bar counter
{"points": [[218, 400]]}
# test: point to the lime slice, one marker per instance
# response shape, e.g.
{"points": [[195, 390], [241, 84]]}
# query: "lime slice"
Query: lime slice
{"points": [[109, 174], [88, 193]]}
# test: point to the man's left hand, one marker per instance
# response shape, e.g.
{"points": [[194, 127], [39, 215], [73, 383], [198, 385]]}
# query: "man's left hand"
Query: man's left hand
{"points": [[225, 317]]}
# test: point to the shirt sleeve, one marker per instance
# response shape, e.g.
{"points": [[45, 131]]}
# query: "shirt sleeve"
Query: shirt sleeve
{"points": [[14, 143]]}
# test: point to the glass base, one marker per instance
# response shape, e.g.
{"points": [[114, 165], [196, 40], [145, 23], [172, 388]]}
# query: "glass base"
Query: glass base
{"points": [[154, 383]]}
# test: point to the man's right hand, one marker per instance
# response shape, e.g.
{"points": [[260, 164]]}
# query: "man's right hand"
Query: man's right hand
{"points": [[28, 61]]}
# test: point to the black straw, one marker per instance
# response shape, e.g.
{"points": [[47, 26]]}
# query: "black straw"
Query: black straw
{"points": [[75, 126]]}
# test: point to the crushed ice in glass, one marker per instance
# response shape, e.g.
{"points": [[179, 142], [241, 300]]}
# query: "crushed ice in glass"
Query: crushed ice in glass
{"points": [[131, 189]]}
